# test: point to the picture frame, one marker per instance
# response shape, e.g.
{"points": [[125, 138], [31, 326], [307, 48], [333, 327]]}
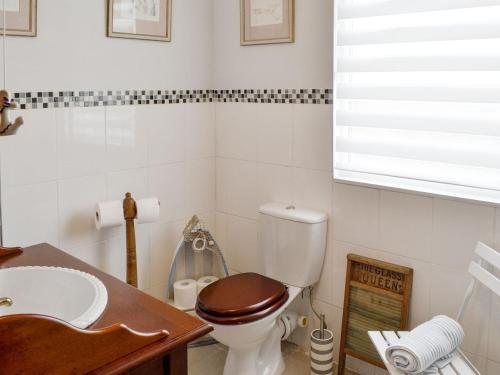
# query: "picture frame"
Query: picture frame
{"points": [[140, 19], [21, 17], [267, 21]]}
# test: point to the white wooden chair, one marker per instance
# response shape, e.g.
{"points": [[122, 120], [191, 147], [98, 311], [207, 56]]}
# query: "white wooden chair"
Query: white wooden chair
{"points": [[460, 364]]}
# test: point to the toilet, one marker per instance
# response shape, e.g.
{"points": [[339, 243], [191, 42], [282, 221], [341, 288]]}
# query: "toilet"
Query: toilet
{"points": [[244, 309]]}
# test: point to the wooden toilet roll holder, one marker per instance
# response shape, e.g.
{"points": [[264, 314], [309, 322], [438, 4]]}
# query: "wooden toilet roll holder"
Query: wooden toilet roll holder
{"points": [[130, 214]]}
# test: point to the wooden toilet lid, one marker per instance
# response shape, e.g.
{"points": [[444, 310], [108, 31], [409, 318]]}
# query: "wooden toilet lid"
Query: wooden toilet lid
{"points": [[241, 298]]}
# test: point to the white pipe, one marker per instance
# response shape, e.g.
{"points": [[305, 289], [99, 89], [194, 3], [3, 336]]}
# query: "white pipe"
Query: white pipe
{"points": [[288, 321]]}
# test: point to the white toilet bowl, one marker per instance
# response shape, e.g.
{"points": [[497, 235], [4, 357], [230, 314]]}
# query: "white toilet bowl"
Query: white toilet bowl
{"points": [[254, 348]]}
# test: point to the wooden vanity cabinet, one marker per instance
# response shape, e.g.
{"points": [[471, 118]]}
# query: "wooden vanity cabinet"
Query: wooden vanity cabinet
{"points": [[126, 305]]}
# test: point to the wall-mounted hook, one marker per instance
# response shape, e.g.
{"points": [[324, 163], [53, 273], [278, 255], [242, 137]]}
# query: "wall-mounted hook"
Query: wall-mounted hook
{"points": [[6, 126]]}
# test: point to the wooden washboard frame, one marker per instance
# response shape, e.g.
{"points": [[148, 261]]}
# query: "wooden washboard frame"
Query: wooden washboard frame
{"points": [[377, 297]]}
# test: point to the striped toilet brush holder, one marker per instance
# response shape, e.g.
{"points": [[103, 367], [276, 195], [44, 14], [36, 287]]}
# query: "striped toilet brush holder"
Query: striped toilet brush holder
{"points": [[321, 352]]}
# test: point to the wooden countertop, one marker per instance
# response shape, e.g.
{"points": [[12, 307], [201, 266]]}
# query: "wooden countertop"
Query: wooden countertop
{"points": [[126, 305]]}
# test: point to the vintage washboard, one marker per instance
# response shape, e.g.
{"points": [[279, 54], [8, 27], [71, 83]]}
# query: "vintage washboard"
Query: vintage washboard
{"points": [[377, 296]]}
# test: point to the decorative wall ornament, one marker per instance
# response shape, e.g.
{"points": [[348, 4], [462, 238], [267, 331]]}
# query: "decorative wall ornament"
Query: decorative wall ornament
{"points": [[267, 21], [140, 19], [20, 16]]}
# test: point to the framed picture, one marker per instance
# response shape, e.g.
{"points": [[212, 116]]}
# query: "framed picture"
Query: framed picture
{"points": [[20, 17], [140, 19], [267, 21]]}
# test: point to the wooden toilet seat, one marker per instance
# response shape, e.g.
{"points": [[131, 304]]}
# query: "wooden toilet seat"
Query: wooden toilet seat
{"points": [[240, 299]]}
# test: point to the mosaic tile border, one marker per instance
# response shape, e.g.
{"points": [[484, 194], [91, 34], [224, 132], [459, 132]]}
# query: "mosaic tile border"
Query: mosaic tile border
{"points": [[276, 96], [65, 99]]}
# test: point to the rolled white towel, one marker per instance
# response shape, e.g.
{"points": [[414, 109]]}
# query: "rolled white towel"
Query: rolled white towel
{"points": [[428, 347]]}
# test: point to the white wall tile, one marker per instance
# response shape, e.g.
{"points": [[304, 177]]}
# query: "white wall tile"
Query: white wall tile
{"points": [[237, 187], [274, 184], [159, 291], [236, 130], [133, 181], [497, 229], [406, 224], [494, 342], [88, 253], [238, 239], [325, 287], [126, 138], [356, 212], [447, 293], [29, 215], [81, 144], [313, 189], [200, 131], [164, 239], [493, 368], [166, 127], [275, 133], [457, 228], [31, 156], [194, 36], [77, 201], [200, 186], [168, 184], [312, 136]]}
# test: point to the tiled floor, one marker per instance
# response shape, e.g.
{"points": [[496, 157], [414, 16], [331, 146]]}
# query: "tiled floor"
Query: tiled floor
{"points": [[209, 360]]}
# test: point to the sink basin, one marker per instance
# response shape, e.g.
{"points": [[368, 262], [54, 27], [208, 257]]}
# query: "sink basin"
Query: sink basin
{"points": [[70, 295]]}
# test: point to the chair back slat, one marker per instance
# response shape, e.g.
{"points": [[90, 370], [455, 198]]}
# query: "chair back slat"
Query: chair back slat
{"points": [[488, 254], [484, 277], [480, 274]]}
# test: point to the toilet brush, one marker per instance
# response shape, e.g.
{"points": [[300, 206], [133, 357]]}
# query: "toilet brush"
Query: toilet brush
{"points": [[322, 350]]}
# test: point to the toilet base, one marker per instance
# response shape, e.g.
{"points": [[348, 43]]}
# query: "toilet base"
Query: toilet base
{"points": [[262, 359]]}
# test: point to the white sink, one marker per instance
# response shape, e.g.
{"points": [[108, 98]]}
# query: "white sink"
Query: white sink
{"points": [[70, 295]]}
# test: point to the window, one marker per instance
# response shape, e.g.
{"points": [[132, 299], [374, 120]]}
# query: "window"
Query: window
{"points": [[417, 95]]}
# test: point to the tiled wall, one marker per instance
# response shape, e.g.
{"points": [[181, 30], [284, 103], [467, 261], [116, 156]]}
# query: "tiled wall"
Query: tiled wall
{"points": [[283, 153], [65, 160]]}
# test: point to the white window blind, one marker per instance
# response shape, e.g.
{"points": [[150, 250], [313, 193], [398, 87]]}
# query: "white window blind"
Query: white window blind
{"points": [[417, 95]]}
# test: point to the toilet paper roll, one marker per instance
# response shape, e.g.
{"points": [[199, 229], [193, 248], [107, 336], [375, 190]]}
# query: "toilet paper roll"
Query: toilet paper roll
{"points": [[148, 210], [108, 214], [205, 281], [185, 294]]}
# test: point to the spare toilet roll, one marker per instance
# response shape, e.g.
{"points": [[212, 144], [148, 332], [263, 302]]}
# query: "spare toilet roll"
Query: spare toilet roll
{"points": [[185, 294], [205, 281], [108, 214], [148, 210]]}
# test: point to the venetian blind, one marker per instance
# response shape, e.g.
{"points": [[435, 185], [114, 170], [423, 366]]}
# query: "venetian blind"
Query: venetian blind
{"points": [[417, 95]]}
